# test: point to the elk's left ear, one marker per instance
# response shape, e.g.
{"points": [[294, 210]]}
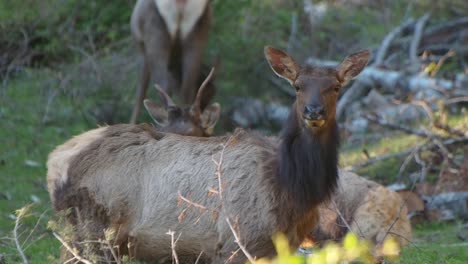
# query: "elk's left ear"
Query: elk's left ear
{"points": [[210, 117], [353, 65], [282, 64], [157, 113]]}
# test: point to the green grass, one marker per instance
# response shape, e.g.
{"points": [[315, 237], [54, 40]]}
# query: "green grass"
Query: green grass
{"points": [[24, 137], [436, 243]]}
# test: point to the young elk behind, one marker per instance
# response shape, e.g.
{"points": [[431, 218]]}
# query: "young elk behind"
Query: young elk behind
{"points": [[365, 208], [188, 121], [134, 179], [171, 34]]}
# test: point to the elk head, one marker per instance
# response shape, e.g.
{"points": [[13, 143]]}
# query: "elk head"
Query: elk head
{"points": [[188, 121], [317, 88]]}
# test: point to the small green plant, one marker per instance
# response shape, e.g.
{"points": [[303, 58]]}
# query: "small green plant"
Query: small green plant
{"points": [[351, 250]]}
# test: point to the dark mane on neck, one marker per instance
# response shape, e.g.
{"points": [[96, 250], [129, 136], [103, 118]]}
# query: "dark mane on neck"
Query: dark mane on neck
{"points": [[308, 164]]}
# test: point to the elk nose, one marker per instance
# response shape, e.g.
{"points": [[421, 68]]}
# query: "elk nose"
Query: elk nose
{"points": [[314, 112]]}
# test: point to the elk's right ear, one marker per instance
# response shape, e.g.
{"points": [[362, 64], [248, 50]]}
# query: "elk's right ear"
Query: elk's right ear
{"points": [[157, 113], [282, 64], [210, 117]]}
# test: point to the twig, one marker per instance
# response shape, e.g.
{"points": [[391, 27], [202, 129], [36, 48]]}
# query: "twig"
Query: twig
{"points": [[78, 257], [219, 164], [199, 256], [456, 100], [233, 255], [16, 238], [111, 248], [34, 228], [448, 129], [173, 245], [393, 224], [380, 57], [418, 30], [337, 210], [191, 202], [441, 61], [405, 129], [218, 173], [405, 164], [237, 240], [50, 98], [426, 109]]}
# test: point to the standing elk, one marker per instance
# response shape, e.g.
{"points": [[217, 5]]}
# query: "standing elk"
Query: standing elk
{"points": [[131, 178], [171, 35]]}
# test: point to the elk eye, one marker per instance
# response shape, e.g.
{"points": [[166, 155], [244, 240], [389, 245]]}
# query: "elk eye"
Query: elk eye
{"points": [[337, 88], [297, 88]]}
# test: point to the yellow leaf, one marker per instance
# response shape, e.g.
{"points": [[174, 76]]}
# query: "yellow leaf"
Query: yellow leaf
{"points": [[281, 245], [430, 68], [350, 241], [390, 247]]}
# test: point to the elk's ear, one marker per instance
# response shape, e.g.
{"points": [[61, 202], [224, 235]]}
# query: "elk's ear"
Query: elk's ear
{"points": [[282, 64], [210, 117], [353, 65], [157, 113]]}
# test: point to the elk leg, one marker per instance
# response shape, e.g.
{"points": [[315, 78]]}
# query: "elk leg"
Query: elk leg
{"points": [[192, 54], [155, 45], [141, 92]]}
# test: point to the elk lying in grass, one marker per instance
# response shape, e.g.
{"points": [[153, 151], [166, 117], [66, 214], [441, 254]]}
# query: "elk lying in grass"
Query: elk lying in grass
{"points": [[131, 177], [170, 34], [188, 121], [366, 208], [362, 206]]}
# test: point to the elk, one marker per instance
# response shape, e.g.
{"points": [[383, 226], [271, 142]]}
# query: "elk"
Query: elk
{"points": [[188, 121], [365, 208], [359, 205], [171, 36], [131, 177]]}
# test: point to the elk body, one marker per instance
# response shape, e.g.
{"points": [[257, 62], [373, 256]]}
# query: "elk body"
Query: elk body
{"points": [[170, 34], [365, 208], [131, 177]]}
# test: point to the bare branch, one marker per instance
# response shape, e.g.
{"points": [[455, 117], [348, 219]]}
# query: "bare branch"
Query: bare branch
{"points": [[405, 129], [191, 202], [419, 28], [198, 258], [380, 57], [173, 245], [65, 244], [15, 235], [237, 240]]}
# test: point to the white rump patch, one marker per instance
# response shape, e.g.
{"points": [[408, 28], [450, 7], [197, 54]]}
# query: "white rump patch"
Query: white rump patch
{"points": [[59, 159], [180, 15]]}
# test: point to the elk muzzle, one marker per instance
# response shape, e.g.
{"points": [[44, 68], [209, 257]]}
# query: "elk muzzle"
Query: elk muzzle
{"points": [[314, 116]]}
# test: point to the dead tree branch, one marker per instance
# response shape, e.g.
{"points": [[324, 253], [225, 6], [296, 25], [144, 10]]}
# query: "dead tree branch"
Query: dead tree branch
{"points": [[382, 53], [421, 147], [418, 31]]}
